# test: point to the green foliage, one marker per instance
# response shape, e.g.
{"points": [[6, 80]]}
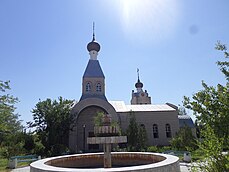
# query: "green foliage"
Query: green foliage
{"points": [[119, 149], [98, 119], [211, 146], [142, 138], [197, 155], [9, 121], [114, 124], [136, 135], [52, 121], [181, 110], [211, 105], [11, 137], [152, 149], [13, 145], [4, 164], [98, 122], [39, 148], [184, 140], [224, 65], [165, 148], [132, 133], [158, 148], [10, 125]]}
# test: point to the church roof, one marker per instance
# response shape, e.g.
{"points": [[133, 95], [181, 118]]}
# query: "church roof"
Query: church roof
{"points": [[86, 96], [93, 70], [121, 107], [185, 120]]}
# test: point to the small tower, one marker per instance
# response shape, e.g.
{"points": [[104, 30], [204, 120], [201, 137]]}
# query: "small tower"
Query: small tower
{"points": [[140, 97], [93, 79]]}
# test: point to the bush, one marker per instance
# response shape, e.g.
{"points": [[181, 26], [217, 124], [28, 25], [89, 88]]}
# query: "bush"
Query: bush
{"points": [[3, 164], [58, 149], [165, 148], [212, 147], [152, 149], [39, 149], [184, 140]]}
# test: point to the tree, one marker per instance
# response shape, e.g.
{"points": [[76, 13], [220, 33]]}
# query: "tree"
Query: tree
{"points": [[10, 125], [211, 105], [142, 138], [182, 110], [184, 139], [211, 146], [29, 143], [9, 121], [132, 133], [224, 65], [52, 122], [136, 135]]}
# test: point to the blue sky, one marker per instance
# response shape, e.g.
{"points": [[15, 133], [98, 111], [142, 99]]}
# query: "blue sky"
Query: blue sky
{"points": [[43, 47]]}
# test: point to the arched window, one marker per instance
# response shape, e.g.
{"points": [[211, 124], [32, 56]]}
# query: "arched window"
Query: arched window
{"points": [[155, 131], [142, 125], [98, 87], [168, 131], [88, 87]]}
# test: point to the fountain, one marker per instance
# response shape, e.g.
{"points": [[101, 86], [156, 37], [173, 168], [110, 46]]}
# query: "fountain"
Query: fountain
{"points": [[107, 134]]}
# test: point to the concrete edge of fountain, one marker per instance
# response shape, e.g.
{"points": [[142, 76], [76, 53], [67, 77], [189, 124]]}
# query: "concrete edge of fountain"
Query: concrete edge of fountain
{"points": [[171, 162]]}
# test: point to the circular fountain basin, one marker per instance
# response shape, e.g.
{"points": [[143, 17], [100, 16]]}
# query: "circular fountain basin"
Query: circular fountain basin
{"points": [[121, 161]]}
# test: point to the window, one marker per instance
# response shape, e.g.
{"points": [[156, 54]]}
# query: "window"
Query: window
{"points": [[168, 131], [142, 125], [98, 87], [155, 131], [88, 87]]}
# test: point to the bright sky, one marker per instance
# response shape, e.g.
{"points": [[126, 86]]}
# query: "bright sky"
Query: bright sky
{"points": [[43, 47]]}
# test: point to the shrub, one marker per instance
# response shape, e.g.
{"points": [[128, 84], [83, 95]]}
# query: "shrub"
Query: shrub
{"points": [[152, 149]]}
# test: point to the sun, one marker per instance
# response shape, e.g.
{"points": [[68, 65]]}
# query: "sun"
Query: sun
{"points": [[148, 19]]}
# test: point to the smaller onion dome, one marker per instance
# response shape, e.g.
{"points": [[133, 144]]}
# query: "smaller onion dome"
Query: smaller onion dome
{"points": [[139, 84], [93, 46]]}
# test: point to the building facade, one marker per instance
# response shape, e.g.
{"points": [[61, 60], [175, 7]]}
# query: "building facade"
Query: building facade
{"points": [[161, 121]]}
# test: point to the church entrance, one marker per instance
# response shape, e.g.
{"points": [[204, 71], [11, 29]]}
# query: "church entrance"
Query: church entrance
{"points": [[85, 128]]}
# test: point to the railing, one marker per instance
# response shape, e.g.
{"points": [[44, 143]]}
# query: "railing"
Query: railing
{"points": [[13, 161], [177, 153]]}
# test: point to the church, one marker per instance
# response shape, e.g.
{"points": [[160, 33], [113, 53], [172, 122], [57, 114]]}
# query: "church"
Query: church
{"points": [[161, 121]]}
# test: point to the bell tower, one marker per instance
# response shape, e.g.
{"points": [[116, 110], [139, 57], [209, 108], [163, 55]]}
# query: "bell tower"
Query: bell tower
{"points": [[93, 84], [140, 96]]}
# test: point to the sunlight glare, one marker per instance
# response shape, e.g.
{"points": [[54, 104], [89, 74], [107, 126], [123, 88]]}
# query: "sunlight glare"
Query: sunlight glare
{"points": [[148, 19]]}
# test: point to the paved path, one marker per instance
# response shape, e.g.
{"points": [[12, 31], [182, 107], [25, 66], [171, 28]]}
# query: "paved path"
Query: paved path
{"points": [[22, 169], [183, 166]]}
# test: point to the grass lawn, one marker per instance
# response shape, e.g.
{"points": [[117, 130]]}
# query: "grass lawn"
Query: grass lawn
{"points": [[4, 164]]}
